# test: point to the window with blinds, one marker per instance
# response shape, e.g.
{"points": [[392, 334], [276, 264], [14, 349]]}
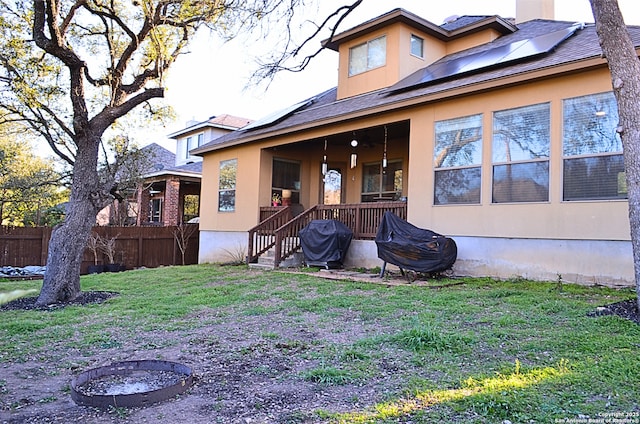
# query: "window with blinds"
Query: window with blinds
{"points": [[520, 153], [457, 158], [593, 165]]}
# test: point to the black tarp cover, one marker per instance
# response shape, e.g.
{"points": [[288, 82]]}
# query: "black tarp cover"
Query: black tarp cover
{"points": [[409, 247], [325, 242]]}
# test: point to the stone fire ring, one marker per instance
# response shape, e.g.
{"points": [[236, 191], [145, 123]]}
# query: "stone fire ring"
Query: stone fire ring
{"points": [[183, 373]]}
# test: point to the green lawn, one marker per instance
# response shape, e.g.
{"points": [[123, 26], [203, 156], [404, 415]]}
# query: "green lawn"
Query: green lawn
{"points": [[483, 351]]}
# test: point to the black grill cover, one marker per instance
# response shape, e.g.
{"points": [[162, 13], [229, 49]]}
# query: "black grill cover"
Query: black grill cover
{"points": [[325, 243], [410, 247]]}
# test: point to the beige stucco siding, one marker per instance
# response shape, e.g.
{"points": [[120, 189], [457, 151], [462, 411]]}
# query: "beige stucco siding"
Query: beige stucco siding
{"points": [[400, 62], [596, 220], [247, 191], [472, 40]]}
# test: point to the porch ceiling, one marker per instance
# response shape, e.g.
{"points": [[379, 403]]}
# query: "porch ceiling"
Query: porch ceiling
{"points": [[366, 137]]}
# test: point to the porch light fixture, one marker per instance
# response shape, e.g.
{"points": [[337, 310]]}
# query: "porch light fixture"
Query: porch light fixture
{"points": [[354, 155], [325, 167]]}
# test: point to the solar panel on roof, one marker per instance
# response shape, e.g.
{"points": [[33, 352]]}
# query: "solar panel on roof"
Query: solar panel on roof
{"points": [[511, 52], [276, 116]]}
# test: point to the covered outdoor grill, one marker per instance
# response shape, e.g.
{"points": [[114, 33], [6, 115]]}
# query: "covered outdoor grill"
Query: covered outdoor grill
{"points": [[409, 247], [325, 243]]}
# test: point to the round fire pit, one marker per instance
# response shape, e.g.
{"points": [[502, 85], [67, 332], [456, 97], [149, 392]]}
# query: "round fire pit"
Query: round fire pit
{"points": [[130, 383]]}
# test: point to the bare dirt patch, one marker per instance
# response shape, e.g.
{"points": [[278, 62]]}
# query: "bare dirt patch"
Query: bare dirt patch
{"points": [[248, 368]]}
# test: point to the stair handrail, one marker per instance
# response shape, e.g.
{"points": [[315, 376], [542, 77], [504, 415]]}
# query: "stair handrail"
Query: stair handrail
{"points": [[291, 230], [266, 228]]}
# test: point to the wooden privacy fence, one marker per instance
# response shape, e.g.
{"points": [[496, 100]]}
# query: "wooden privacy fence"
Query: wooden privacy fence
{"points": [[135, 247]]}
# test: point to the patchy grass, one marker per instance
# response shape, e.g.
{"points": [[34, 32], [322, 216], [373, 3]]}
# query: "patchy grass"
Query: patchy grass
{"points": [[483, 351]]}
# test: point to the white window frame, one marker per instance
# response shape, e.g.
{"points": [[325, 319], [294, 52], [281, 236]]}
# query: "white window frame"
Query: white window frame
{"points": [[602, 106], [225, 187], [415, 37], [189, 144], [463, 167], [370, 64], [512, 151]]}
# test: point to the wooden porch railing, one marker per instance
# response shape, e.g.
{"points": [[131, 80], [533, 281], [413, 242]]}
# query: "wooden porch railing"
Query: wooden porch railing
{"points": [[362, 218], [262, 236]]}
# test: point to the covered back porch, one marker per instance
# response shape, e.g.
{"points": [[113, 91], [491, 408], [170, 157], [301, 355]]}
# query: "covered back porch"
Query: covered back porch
{"points": [[353, 176], [279, 229]]}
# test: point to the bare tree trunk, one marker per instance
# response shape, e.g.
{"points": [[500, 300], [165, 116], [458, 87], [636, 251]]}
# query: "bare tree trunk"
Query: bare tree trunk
{"points": [[625, 77], [69, 239]]}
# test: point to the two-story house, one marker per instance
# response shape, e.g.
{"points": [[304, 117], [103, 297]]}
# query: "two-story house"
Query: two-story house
{"points": [[498, 133], [170, 193]]}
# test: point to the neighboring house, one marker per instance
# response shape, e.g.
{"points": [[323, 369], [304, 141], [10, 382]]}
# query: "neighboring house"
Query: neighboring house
{"points": [[499, 134], [170, 191]]}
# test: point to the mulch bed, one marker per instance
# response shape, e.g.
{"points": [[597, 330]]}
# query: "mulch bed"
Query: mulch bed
{"points": [[626, 309], [85, 298]]}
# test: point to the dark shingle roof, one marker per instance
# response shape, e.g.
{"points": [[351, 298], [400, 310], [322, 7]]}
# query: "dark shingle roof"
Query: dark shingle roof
{"points": [[163, 161], [160, 157], [463, 21], [581, 46]]}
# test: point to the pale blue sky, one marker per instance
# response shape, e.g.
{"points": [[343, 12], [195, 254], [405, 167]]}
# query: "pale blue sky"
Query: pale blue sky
{"points": [[211, 79]]}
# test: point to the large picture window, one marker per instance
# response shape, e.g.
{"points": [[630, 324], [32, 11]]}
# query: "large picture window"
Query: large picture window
{"points": [[382, 184], [457, 157], [286, 176], [521, 141], [227, 185], [369, 55], [592, 149]]}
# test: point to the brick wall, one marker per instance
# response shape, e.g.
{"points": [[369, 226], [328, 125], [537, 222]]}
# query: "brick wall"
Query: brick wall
{"points": [[172, 201]]}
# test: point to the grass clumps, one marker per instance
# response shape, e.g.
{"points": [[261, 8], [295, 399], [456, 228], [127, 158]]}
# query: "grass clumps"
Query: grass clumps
{"points": [[429, 339], [329, 376]]}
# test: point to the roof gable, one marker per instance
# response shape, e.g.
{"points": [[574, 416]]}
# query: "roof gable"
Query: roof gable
{"points": [[225, 121], [458, 28]]}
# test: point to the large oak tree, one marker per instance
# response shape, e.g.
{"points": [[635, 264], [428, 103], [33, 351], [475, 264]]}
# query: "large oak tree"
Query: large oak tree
{"points": [[624, 67], [72, 68]]}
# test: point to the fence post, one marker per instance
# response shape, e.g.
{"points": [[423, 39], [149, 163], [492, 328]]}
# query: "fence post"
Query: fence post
{"points": [[140, 244]]}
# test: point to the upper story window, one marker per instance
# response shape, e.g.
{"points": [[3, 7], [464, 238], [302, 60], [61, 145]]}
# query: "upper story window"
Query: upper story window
{"points": [[457, 158], [592, 149], [417, 46], [369, 55], [193, 142], [521, 143]]}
